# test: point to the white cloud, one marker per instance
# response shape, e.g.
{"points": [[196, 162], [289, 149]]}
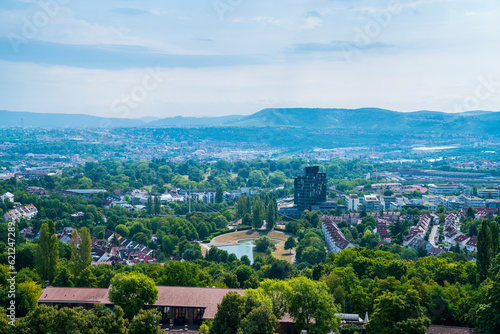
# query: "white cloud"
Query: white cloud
{"points": [[295, 24]]}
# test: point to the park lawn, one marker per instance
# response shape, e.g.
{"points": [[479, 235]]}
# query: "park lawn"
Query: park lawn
{"points": [[279, 253]]}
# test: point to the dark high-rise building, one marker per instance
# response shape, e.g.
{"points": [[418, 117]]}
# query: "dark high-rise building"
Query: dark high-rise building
{"points": [[310, 188]]}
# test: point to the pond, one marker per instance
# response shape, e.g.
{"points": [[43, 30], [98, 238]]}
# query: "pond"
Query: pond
{"points": [[244, 247]]}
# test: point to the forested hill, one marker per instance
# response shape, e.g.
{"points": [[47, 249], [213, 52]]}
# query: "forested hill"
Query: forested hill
{"points": [[374, 120]]}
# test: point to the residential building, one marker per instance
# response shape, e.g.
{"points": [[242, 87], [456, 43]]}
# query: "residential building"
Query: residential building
{"points": [[461, 240], [454, 202], [473, 202], [471, 244], [334, 238], [352, 202], [371, 202], [385, 202], [449, 189], [27, 212], [488, 193], [492, 203], [7, 197], [418, 242]]}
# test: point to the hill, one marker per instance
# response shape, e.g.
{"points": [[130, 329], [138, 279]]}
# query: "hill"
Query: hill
{"points": [[180, 121], [375, 120], [74, 121]]}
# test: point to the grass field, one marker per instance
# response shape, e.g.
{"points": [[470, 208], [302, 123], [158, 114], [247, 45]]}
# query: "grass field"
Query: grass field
{"points": [[279, 237]]}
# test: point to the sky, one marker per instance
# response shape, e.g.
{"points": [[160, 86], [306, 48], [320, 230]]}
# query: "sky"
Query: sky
{"points": [[163, 58]]}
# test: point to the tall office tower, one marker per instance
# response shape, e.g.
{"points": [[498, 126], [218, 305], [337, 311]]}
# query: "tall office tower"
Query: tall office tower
{"points": [[310, 188]]}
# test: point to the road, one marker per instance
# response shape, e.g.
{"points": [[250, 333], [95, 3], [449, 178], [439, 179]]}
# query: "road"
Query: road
{"points": [[433, 234]]}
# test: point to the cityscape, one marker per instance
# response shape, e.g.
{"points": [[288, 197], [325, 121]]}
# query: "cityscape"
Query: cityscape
{"points": [[236, 167]]}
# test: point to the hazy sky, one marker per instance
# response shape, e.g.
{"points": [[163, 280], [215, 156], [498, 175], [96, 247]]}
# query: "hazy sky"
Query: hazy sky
{"points": [[124, 58]]}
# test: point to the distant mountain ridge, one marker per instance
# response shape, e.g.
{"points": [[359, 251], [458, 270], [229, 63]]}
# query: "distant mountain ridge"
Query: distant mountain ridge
{"points": [[374, 120]]}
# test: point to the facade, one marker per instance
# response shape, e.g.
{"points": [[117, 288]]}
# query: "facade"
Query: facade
{"points": [[352, 202], [474, 202], [492, 203], [488, 193], [27, 212], [386, 201], [471, 244], [310, 188], [7, 197], [371, 203], [334, 238], [449, 189]]}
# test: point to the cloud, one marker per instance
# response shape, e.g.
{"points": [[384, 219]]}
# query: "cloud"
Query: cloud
{"points": [[335, 46], [130, 11], [400, 5], [311, 21], [112, 56]]}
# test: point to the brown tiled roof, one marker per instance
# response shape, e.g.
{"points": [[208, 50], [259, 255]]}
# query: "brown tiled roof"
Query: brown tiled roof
{"points": [[193, 297], [74, 295], [436, 329], [173, 296]]}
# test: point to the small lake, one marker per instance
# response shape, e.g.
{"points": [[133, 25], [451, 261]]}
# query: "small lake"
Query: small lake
{"points": [[244, 247]]}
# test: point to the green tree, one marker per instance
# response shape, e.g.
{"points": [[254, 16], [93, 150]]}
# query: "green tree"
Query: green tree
{"points": [[229, 314], [258, 213], [264, 244], [272, 214], [86, 279], [157, 205], [277, 178], [257, 178], [290, 243], [122, 230], [132, 291], [484, 248], [149, 206], [48, 252], [260, 320], [219, 195], [110, 322], [82, 254], [146, 322], [311, 306], [495, 237], [27, 294], [63, 279], [395, 314]]}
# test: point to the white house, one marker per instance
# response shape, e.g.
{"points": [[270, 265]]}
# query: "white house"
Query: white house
{"points": [[471, 245], [7, 197]]}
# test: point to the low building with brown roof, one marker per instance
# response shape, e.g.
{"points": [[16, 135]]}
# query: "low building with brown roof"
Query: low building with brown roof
{"points": [[179, 306]]}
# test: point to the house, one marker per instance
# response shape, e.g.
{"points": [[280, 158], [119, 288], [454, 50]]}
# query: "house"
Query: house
{"points": [[334, 238], [383, 230], [78, 215], [461, 240], [434, 251], [471, 244], [37, 191], [27, 212], [7, 197], [417, 243]]}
